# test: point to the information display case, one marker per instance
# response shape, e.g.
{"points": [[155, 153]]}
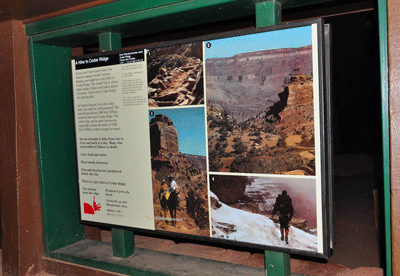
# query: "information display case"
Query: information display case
{"points": [[221, 138]]}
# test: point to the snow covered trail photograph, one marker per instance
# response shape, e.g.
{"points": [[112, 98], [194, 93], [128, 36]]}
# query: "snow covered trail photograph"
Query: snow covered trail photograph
{"points": [[249, 209]]}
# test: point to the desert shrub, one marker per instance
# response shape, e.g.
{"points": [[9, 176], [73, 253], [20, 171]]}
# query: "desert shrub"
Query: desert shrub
{"points": [[240, 147], [214, 160], [223, 131], [283, 163], [195, 206], [192, 170], [236, 139], [244, 125], [281, 142], [258, 140], [242, 163], [228, 125], [221, 150], [213, 124], [237, 164], [222, 138], [255, 133], [277, 152], [270, 129]]}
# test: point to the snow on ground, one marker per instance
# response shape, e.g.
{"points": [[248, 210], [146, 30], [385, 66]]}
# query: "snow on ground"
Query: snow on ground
{"points": [[248, 227]]}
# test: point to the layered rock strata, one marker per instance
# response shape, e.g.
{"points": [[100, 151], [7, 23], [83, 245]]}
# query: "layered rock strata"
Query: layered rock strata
{"points": [[243, 85]]}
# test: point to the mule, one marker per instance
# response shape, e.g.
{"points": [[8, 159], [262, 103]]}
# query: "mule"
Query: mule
{"points": [[172, 204]]}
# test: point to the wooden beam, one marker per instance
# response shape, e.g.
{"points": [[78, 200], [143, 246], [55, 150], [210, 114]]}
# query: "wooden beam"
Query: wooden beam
{"points": [[68, 10], [57, 267], [21, 217]]}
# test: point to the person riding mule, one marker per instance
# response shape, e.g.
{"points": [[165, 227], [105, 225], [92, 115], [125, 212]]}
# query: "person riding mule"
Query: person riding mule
{"points": [[169, 201], [174, 189], [163, 195]]}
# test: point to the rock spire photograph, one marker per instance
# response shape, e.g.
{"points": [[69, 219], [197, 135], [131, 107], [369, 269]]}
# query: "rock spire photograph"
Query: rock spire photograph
{"points": [[178, 163]]}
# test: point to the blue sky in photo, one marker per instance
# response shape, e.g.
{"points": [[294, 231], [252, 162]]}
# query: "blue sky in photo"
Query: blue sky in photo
{"points": [[287, 38], [190, 125]]}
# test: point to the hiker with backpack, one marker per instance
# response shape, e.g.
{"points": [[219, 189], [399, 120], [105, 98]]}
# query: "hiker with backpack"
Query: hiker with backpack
{"points": [[283, 205]]}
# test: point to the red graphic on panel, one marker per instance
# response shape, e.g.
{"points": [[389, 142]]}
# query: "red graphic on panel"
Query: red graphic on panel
{"points": [[89, 209]]}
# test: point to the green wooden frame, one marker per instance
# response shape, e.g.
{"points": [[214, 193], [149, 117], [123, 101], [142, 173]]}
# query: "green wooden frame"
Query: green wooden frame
{"points": [[50, 43], [384, 61]]}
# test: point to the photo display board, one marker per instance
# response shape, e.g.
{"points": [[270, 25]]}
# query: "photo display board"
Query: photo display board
{"points": [[221, 139]]}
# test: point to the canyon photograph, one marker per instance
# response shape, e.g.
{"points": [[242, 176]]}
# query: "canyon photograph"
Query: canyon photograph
{"points": [[260, 103], [178, 166], [175, 75], [242, 209]]}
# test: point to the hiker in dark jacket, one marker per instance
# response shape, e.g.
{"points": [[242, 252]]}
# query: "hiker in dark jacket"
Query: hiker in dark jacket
{"points": [[283, 205]]}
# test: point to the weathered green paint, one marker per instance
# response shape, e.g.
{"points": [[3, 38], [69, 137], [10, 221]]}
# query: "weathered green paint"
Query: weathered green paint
{"points": [[152, 8], [176, 16], [51, 90], [383, 44], [112, 9], [277, 263], [268, 13], [181, 13], [109, 41], [123, 243]]}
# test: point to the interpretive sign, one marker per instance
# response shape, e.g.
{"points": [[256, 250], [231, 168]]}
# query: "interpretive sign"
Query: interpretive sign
{"points": [[220, 138]]}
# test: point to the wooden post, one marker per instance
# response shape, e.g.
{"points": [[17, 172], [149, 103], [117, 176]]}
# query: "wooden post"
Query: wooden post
{"points": [[276, 263], [268, 13], [21, 216]]}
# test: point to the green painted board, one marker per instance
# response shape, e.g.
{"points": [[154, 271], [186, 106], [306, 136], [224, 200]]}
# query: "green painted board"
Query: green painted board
{"points": [[123, 241], [125, 11], [112, 9], [109, 41], [383, 43], [124, 7], [269, 13], [176, 16], [277, 264]]}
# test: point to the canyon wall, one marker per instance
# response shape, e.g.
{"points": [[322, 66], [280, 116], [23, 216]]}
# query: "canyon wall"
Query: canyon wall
{"points": [[245, 84]]}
